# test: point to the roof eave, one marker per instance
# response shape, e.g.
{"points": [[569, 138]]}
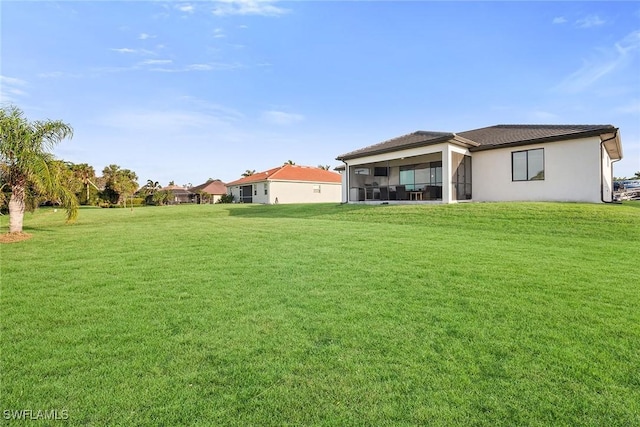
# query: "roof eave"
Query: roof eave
{"points": [[464, 141], [305, 180], [350, 156], [615, 146]]}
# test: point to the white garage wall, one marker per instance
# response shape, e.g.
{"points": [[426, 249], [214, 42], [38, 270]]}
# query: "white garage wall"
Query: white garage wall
{"points": [[303, 192]]}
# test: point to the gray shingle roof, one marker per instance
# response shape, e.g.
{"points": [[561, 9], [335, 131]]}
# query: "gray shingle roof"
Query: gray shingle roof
{"points": [[416, 139], [488, 137], [502, 135]]}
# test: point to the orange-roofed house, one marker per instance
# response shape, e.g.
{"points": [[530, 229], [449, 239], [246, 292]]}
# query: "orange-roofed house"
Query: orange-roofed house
{"points": [[288, 184]]}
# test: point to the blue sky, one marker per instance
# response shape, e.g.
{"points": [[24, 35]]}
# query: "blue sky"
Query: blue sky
{"points": [[186, 91]]}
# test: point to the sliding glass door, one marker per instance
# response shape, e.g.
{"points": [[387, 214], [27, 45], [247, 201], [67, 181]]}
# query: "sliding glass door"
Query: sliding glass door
{"points": [[425, 178]]}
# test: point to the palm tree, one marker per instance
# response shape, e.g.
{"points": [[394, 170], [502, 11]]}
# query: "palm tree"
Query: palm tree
{"points": [[119, 183], [324, 167], [150, 188], [85, 173], [289, 162], [26, 162], [249, 172]]}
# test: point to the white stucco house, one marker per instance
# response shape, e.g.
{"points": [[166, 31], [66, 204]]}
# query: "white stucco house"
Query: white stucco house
{"points": [[496, 163], [288, 184]]}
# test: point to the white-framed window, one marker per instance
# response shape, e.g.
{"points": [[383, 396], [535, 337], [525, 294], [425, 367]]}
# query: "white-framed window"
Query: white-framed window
{"points": [[316, 188], [361, 171], [527, 165], [255, 190], [266, 191]]}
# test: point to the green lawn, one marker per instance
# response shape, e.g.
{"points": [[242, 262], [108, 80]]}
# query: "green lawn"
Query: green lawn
{"points": [[467, 314]]}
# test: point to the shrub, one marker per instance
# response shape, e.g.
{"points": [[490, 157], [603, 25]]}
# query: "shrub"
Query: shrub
{"points": [[226, 198]]}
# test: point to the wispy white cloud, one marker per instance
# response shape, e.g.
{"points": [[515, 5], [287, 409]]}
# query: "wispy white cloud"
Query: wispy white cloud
{"points": [[145, 36], [629, 44], [221, 111], [123, 50], [214, 66], [59, 75], [200, 67], [189, 124], [559, 20], [4, 80], [247, 7], [590, 21], [281, 117], [607, 61], [130, 51], [218, 33], [171, 121], [11, 89], [543, 116], [186, 7], [156, 62]]}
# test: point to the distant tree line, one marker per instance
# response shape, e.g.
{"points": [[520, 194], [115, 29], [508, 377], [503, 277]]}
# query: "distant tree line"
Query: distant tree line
{"points": [[636, 176], [31, 176]]}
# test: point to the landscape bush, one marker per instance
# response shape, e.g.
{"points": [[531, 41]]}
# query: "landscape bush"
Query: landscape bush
{"points": [[226, 198]]}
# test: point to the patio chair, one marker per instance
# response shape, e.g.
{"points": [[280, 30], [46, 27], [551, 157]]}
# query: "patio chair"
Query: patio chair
{"points": [[384, 193], [401, 192]]}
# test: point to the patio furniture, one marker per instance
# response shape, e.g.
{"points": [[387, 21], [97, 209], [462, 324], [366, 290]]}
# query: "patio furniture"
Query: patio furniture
{"points": [[401, 192]]}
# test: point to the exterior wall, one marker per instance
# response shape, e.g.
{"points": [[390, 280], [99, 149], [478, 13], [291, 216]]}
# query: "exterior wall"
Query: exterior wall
{"points": [[258, 192], [303, 192], [234, 191], [571, 169], [291, 192]]}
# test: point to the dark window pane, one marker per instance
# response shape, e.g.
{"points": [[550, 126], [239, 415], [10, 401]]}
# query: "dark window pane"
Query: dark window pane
{"points": [[536, 164], [519, 166]]}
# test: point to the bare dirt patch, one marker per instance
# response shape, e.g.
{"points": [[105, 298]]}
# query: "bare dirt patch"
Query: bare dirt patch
{"points": [[14, 237]]}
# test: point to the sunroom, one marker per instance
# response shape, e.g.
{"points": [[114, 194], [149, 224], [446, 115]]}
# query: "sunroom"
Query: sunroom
{"points": [[420, 167]]}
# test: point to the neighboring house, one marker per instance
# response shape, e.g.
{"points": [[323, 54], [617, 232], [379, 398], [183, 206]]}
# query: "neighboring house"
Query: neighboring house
{"points": [[497, 163], [180, 194], [288, 184], [209, 192]]}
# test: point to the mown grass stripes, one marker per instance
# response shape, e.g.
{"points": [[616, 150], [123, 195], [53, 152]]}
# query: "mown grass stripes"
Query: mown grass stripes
{"points": [[484, 314]]}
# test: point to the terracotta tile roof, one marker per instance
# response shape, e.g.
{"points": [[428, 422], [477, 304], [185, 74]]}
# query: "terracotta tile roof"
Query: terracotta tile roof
{"points": [[256, 177], [416, 139], [214, 186], [290, 173], [505, 135]]}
